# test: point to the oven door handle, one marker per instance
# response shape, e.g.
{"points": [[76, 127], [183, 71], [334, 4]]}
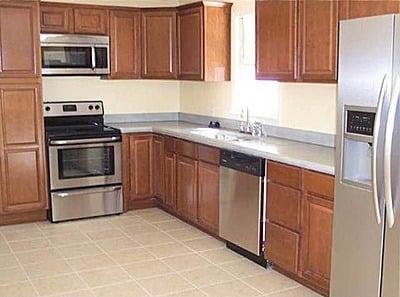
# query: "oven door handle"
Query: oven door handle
{"points": [[86, 141], [88, 191]]}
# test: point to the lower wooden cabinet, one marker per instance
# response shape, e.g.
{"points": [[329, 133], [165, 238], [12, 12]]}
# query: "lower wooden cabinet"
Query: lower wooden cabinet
{"points": [[208, 196], [187, 187], [22, 161], [299, 223], [170, 180], [140, 150], [158, 167]]}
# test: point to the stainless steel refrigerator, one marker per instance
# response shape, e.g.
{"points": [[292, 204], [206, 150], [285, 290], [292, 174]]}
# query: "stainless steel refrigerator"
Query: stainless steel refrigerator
{"points": [[366, 224]]}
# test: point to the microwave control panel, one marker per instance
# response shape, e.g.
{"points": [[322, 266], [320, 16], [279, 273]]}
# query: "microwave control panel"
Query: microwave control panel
{"points": [[360, 122]]}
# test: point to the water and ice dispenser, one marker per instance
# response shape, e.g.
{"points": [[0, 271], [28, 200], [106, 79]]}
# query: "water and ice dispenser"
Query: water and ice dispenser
{"points": [[357, 145]]}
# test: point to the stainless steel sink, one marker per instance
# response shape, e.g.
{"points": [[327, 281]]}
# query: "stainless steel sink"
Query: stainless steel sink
{"points": [[221, 135]]}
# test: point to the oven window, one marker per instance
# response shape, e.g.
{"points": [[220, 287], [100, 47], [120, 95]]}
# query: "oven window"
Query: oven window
{"points": [[86, 162], [66, 57]]}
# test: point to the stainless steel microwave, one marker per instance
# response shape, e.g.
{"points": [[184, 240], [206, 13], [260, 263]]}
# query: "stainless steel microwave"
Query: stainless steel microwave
{"points": [[70, 54]]}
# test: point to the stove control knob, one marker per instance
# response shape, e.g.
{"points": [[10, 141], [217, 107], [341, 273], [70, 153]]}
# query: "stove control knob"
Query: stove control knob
{"points": [[97, 107], [47, 108], [90, 107]]}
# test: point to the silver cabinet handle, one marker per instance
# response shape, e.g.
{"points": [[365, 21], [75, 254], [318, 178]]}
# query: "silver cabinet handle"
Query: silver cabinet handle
{"points": [[88, 191], [85, 141], [93, 58], [377, 127], [387, 168]]}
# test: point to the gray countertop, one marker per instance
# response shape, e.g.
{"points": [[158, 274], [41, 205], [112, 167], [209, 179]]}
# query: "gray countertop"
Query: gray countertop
{"points": [[310, 156]]}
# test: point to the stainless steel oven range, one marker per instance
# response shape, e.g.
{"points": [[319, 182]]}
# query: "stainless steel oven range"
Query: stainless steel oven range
{"points": [[84, 161]]}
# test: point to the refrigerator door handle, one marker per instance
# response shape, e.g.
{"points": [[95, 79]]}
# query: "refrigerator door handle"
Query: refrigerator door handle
{"points": [[377, 127], [387, 168]]}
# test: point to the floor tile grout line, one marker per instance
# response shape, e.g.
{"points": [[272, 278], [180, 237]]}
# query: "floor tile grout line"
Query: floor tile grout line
{"points": [[21, 267]]}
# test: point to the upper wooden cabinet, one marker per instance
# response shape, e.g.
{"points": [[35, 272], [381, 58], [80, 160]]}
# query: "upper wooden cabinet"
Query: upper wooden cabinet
{"points": [[19, 39], [318, 38], [159, 43], [276, 40], [297, 40], [351, 9], [79, 19], [125, 43], [90, 20], [56, 18], [204, 41]]}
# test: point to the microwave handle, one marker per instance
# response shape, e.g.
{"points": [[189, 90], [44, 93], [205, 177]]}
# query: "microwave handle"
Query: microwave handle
{"points": [[93, 58]]}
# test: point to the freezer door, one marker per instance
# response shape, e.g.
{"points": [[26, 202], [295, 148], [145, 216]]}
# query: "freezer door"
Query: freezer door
{"points": [[365, 59], [391, 267]]}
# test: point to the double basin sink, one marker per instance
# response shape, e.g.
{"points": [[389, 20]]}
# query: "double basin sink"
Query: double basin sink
{"points": [[223, 135]]}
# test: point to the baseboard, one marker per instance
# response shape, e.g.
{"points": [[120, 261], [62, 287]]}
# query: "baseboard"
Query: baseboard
{"points": [[142, 204], [26, 217]]}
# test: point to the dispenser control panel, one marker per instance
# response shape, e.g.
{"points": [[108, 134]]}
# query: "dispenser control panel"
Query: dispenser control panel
{"points": [[360, 122]]}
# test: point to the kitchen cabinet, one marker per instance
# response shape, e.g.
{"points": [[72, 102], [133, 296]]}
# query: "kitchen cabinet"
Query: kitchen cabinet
{"points": [[22, 160], [276, 40], [208, 196], [204, 41], [125, 43], [170, 180], [187, 187], [318, 39], [140, 154], [351, 9], [315, 258], [56, 18], [159, 43], [299, 223], [297, 40], [90, 20], [158, 167], [19, 39], [69, 19]]}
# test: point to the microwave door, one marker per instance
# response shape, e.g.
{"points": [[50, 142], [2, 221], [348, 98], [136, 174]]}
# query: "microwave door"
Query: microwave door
{"points": [[68, 60]]}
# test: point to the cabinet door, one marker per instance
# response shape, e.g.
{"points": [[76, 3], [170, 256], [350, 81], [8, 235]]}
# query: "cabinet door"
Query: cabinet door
{"points": [[318, 38], [91, 21], [19, 39], [351, 9], [125, 44], [316, 240], [276, 40], [158, 165], [22, 152], [159, 44], [170, 180], [141, 167], [208, 199], [190, 43], [56, 18], [187, 187]]}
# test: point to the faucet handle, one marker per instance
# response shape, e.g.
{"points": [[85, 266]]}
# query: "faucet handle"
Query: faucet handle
{"points": [[258, 129]]}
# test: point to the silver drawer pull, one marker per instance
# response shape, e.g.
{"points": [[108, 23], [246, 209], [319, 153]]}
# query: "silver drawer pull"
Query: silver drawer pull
{"points": [[88, 191]]}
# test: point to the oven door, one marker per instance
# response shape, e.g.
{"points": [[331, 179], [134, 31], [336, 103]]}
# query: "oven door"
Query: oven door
{"points": [[84, 162], [67, 59]]}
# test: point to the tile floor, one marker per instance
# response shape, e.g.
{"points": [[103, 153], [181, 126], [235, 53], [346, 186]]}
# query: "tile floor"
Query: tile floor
{"points": [[141, 253]]}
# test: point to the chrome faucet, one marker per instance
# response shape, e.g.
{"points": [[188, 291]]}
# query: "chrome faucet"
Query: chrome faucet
{"points": [[255, 129]]}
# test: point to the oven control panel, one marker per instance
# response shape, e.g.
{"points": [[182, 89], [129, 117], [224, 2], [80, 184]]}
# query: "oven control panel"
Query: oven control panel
{"points": [[360, 122], [82, 108]]}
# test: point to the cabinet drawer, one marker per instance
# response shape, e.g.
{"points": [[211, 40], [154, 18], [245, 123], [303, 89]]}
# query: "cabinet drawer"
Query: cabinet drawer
{"points": [[186, 148], [319, 184], [284, 174], [169, 143], [283, 206], [209, 154], [282, 247]]}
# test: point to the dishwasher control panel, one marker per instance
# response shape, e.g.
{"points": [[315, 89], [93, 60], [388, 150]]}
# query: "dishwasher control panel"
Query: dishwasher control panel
{"points": [[242, 162]]}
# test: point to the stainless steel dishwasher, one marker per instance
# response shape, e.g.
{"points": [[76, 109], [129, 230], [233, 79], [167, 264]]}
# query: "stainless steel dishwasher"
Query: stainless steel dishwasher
{"points": [[242, 202]]}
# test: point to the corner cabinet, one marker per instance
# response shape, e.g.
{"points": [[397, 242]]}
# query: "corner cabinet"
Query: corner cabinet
{"points": [[299, 224], [19, 39], [159, 43], [125, 43], [204, 41]]}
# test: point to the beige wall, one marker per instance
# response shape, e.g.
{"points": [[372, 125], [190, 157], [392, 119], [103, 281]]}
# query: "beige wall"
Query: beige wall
{"points": [[302, 106]]}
